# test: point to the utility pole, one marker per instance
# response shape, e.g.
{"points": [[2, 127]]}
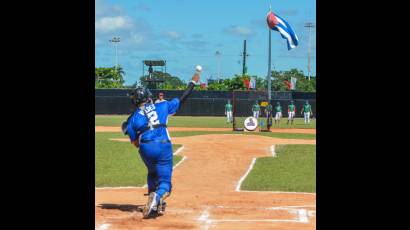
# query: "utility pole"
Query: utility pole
{"points": [[309, 25], [115, 40], [244, 70]]}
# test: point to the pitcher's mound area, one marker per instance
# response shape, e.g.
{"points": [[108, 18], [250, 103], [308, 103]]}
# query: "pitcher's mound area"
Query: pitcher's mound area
{"points": [[204, 196]]}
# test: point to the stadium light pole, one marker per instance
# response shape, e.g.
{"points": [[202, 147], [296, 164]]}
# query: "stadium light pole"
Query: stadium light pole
{"points": [[309, 25], [115, 41]]}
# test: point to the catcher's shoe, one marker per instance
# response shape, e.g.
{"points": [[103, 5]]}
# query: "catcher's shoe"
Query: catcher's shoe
{"points": [[151, 205], [162, 204]]}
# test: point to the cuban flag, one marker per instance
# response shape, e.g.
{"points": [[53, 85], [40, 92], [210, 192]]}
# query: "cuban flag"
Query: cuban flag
{"points": [[293, 83], [252, 84], [279, 24]]}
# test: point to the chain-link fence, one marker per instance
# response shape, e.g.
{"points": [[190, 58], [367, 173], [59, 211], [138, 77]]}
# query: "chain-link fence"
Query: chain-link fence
{"points": [[200, 103]]}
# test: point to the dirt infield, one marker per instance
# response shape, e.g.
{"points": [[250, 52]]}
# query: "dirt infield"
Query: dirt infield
{"points": [[204, 196], [176, 129]]}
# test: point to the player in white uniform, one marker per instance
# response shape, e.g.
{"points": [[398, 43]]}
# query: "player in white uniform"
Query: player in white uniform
{"points": [[291, 112], [228, 112], [278, 110], [255, 109], [307, 111]]}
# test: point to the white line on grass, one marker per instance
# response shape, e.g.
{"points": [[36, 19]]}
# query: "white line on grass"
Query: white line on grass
{"points": [[238, 185], [179, 150], [272, 150], [302, 193], [184, 158]]}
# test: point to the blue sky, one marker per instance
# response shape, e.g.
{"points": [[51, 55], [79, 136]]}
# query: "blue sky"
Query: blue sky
{"points": [[187, 33]]}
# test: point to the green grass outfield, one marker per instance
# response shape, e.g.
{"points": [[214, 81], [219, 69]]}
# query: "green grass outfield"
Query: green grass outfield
{"points": [[119, 163], [293, 170], [200, 122]]}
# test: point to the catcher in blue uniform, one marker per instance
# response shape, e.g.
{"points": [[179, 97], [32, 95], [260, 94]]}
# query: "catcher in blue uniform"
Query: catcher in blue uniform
{"points": [[147, 130]]}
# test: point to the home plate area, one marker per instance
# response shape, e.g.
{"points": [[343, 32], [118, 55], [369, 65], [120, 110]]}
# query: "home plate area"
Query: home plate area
{"points": [[245, 217]]}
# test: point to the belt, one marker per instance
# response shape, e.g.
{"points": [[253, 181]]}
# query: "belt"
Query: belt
{"points": [[156, 141]]}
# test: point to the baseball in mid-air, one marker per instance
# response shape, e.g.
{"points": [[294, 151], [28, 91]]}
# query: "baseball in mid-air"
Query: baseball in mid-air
{"points": [[198, 68]]}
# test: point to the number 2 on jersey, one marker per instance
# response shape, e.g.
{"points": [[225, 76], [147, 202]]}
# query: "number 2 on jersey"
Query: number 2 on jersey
{"points": [[153, 117]]}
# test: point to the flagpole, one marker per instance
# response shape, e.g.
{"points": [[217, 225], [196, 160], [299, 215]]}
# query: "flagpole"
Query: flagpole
{"points": [[269, 59], [269, 67]]}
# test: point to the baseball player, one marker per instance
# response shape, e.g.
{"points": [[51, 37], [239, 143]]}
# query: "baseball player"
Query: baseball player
{"points": [[255, 109], [268, 112], [307, 111], [160, 98], [291, 113], [147, 129], [278, 115], [228, 112]]}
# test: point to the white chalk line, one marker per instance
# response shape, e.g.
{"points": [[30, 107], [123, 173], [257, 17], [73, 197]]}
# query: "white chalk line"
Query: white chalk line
{"points": [[269, 208], [180, 162], [283, 192], [103, 226], [302, 216], [238, 185], [146, 185], [204, 219], [272, 150], [179, 150]]}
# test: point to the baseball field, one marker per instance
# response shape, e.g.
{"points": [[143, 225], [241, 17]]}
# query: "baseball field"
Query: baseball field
{"points": [[221, 180]]}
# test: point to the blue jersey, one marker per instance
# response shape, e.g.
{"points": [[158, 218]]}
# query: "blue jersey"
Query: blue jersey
{"points": [[155, 114]]}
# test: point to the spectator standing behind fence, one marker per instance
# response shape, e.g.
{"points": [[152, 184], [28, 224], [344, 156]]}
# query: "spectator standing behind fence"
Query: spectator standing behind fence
{"points": [[228, 112], [160, 98], [307, 111], [255, 109]]}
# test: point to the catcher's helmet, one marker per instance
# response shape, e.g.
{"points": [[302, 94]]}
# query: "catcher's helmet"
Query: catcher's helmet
{"points": [[291, 102], [278, 103], [140, 95], [307, 102]]}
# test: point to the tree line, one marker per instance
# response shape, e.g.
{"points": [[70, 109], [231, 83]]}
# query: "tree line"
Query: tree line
{"points": [[111, 77]]}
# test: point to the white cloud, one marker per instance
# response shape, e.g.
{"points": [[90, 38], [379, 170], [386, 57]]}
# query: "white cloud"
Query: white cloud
{"points": [[110, 24], [142, 7], [239, 30], [138, 38], [174, 34], [103, 9]]}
